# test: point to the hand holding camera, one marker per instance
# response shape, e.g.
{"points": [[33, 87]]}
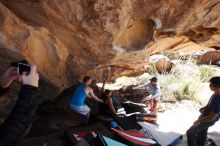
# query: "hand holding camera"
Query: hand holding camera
{"points": [[20, 70], [32, 78], [21, 67]]}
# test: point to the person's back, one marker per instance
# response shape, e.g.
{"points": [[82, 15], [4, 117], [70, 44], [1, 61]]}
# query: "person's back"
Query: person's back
{"points": [[79, 96], [81, 92]]}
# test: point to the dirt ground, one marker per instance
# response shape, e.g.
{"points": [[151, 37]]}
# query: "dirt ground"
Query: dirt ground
{"points": [[180, 117]]}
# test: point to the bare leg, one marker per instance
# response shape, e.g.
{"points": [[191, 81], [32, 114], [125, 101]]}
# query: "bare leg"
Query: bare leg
{"points": [[150, 102], [155, 107]]}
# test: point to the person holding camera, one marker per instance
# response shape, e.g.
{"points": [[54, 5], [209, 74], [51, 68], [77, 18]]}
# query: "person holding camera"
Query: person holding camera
{"points": [[20, 118]]}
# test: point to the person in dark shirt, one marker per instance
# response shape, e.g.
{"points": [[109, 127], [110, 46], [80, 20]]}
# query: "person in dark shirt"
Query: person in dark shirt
{"points": [[210, 114], [107, 107], [19, 120]]}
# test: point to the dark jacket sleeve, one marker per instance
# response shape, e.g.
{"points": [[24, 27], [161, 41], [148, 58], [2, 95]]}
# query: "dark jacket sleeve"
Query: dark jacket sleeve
{"points": [[3, 91], [20, 118]]}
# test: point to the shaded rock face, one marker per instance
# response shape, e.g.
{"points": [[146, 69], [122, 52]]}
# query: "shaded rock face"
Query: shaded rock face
{"points": [[69, 39], [137, 35]]}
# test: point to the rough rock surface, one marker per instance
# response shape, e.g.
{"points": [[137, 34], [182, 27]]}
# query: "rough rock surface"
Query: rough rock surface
{"points": [[68, 39], [210, 57]]}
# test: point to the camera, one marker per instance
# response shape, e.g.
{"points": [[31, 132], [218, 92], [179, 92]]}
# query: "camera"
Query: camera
{"points": [[22, 66]]}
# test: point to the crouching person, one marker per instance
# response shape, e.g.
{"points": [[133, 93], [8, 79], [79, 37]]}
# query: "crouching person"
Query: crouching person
{"points": [[154, 97], [210, 114], [83, 91], [19, 120]]}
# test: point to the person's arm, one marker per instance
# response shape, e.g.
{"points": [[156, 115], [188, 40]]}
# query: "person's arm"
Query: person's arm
{"points": [[202, 109], [6, 80], [110, 104], [92, 95], [145, 86], [211, 117], [21, 116], [154, 95], [103, 85], [3, 91]]}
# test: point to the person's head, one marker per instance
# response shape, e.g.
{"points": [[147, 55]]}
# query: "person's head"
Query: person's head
{"points": [[108, 93], [215, 84], [153, 80], [94, 82], [87, 80]]}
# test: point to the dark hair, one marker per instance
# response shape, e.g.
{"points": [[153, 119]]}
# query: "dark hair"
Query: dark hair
{"points": [[107, 91], [86, 78], [154, 79], [215, 81]]}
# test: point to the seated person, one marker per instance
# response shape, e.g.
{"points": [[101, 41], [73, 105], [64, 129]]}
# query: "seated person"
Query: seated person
{"points": [[83, 91], [107, 108], [19, 120]]}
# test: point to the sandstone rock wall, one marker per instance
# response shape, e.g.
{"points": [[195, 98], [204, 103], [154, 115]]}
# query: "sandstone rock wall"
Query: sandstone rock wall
{"points": [[70, 38]]}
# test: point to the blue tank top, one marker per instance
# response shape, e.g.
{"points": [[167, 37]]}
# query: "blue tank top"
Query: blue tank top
{"points": [[79, 95]]}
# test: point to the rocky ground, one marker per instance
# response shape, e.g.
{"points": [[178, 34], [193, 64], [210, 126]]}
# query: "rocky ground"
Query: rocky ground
{"points": [[173, 116], [180, 116]]}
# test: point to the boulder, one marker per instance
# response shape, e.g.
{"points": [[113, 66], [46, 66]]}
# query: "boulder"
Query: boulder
{"points": [[161, 63], [210, 57], [164, 66]]}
